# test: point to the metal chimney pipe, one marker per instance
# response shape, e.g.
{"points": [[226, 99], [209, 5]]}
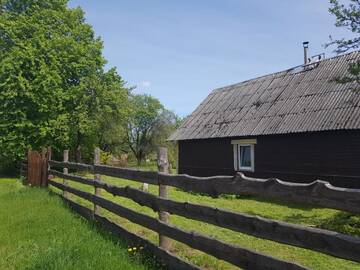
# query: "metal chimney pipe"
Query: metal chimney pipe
{"points": [[306, 50]]}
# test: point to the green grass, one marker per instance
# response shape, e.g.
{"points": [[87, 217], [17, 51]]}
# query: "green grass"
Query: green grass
{"points": [[37, 231], [293, 213]]}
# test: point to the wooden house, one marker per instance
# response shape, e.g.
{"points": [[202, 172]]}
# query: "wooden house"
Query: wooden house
{"points": [[297, 125]]}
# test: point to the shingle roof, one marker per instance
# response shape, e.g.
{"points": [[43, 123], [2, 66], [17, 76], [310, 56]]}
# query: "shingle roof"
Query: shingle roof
{"points": [[302, 99]]}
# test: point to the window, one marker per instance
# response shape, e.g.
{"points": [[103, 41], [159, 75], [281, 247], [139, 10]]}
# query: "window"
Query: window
{"points": [[244, 155]]}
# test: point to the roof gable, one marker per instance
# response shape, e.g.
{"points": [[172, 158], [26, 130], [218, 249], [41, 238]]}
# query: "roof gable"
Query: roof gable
{"points": [[303, 99]]}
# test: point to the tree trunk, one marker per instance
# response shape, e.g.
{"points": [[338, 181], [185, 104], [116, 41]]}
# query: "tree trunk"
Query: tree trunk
{"points": [[78, 154], [78, 158], [138, 159]]}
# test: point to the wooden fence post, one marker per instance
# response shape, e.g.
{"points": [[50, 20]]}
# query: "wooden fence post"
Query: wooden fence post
{"points": [[97, 178], [65, 170], [45, 153], [49, 157], [145, 187], [163, 166]]}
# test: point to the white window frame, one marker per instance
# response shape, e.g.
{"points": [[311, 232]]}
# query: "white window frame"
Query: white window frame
{"points": [[237, 144]]}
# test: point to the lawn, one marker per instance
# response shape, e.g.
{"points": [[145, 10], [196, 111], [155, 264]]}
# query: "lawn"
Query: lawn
{"points": [[37, 231], [293, 213]]}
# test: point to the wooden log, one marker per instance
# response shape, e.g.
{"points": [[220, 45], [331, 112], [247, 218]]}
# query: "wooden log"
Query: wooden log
{"points": [[328, 242], [71, 165], [316, 193], [130, 174], [72, 177], [163, 166], [236, 255], [97, 178], [132, 239]]}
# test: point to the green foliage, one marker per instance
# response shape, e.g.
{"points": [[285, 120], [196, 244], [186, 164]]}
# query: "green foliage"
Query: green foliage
{"points": [[168, 122], [148, 126], [53, 87], [105, 157], [348, 16]]}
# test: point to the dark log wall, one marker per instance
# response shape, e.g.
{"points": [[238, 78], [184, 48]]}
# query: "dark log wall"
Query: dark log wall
{"points": [[330, 156]]}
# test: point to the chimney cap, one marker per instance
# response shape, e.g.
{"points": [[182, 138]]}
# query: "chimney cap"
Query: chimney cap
{"points": [[306, 44]]}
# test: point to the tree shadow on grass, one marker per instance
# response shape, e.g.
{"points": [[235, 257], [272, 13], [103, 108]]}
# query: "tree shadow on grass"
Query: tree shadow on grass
{"points": [[298, 206], [342, 222]]}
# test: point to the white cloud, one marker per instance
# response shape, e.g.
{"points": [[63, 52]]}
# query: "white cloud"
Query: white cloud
{"points": [[145, 84]]}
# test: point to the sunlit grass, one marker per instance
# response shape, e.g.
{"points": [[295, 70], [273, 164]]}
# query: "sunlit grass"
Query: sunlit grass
{"points": [[37, 231]]}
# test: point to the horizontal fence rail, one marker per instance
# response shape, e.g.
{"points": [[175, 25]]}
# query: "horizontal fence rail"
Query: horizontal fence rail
{"points": [[238, 256], [329, 242], [23, 169], [318, 193], [71, 165]]}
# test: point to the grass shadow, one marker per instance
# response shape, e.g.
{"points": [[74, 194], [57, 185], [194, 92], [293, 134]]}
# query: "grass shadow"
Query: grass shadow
{"points": [[342, 222]]}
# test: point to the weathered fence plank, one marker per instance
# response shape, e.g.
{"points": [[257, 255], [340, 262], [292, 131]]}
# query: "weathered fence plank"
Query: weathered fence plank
{"points": [[72, 177], [236, 255], [317, 193], [130, 174], [328, 242], [34, 169]]}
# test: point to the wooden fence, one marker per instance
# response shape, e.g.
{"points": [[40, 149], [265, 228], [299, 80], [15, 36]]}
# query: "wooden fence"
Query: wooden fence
{"points": [[317, 193]]}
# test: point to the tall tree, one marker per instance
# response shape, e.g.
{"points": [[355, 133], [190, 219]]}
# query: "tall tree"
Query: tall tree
{"points": [[348, 16], [141, 125], [168, 122], [53, 87]]}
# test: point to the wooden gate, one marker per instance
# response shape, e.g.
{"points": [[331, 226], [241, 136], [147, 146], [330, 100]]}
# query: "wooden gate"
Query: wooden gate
{"points": [[37, 167]]}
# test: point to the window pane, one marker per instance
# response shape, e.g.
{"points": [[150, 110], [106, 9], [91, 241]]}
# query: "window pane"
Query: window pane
{"points": [[245, 156]]}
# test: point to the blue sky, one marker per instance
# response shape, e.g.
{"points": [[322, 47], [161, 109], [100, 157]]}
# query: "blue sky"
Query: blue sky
{"points": [[178, 51]]}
